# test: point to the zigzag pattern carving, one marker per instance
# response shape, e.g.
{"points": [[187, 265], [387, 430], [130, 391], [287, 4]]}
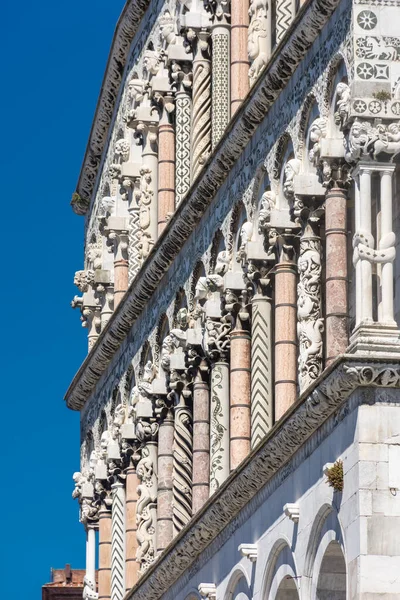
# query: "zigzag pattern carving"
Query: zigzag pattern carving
{"points": [[261, 373], [134, 243], [183, 109], [285, 10], [118, 544]]}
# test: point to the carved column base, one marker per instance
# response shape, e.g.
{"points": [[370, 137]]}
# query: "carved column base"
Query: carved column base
{"points": [[375, 339]]}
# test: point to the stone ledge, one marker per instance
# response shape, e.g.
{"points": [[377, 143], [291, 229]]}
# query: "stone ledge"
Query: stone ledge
{"points": [[287, 56], [311, 410]]}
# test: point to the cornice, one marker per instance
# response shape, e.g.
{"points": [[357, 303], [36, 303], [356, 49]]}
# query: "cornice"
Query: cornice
{"points": [[284, 61], [312, 409], [127, 26]]}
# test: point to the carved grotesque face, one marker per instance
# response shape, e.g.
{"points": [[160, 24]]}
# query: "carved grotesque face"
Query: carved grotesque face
{"points": [[151, 62]]}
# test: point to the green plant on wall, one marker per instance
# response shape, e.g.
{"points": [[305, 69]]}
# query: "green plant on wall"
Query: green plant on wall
{"points": [[382, 95], [335, 476]]}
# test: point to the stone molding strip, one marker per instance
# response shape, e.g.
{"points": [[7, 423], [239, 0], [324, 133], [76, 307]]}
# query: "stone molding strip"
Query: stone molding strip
{"points": [[127, 26], [284, 61], [312, 409]]}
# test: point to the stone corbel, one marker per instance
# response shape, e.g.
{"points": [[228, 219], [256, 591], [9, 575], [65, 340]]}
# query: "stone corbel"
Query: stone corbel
{"points": [[208, 591], [292, 511], [249, 551]]}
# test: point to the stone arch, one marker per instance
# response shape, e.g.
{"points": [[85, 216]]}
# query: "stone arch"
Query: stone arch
{"points": [[238, 587], [198, 271], [218, 244], [145, 355], [162, 332], [180, 303], [89, 445], [280, 579], [309, 111], [103, 424], [325, 530], [331, 582], [336, 72], [238, 218]]}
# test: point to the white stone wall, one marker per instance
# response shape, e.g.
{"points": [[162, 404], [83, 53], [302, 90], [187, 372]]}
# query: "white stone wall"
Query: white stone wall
{"points": [[363, 521]]}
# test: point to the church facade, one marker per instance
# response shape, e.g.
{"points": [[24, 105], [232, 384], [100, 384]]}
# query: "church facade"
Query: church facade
{"points": [[239, 402]]}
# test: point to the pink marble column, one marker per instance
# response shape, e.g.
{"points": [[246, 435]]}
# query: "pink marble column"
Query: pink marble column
{"points": [[285, 337], [104, 576], [240, 402], [132, 566], [201, 440], [336, 324], [166, 171], [165, 493], [120, 280], [239, 56]]}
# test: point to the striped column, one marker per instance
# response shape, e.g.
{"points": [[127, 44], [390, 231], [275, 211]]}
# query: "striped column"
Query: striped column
{"points": [[261, 369], [118, 525], [104, 587]]}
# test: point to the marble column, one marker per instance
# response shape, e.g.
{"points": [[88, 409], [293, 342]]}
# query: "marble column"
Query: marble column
{"points": [[285, 13], [285, 345], [118, 526], [219, 426], [119, 241], [201, 109], [201, 439], [132, 566], [149, 186], [183, 107], [310, 323], [166, 167], [240, 386], [363, 223], [182, 466], [239, 56], [91, 554], [104, 588], [336, 303], [165, 470], [386, 241], [220, 86], [146, 510], [261, 369]]}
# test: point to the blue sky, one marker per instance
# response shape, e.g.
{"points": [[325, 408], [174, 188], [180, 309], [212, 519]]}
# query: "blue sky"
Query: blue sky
{"points": [[53, 56]]}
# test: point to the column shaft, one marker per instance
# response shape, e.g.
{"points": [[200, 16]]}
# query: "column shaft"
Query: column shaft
{"points": [[285, 13], [91, 555], [182, 467], [336, 274], [166, 171], [201, 442], [285, 337], [261, 369], [365, 301], [150, 164], [120, 280], [220, 81], [132, 566], [219, 434], [165, 469], [146, 509], [133, 241], [239, 56], [118, 542], [183, 112], [104, 588], [240, 385], [386, 227], [201, 111]]}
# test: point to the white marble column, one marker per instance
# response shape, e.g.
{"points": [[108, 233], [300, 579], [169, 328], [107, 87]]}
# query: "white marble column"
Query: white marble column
{"points": [[387, 240], [285, 13], [221, 101], [363, 239], [118, 527], [201, 109], [219, 425], [91, 554]]}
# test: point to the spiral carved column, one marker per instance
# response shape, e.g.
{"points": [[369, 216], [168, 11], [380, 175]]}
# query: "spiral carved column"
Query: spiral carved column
{"points": [[182, 467], [201, 111]]}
